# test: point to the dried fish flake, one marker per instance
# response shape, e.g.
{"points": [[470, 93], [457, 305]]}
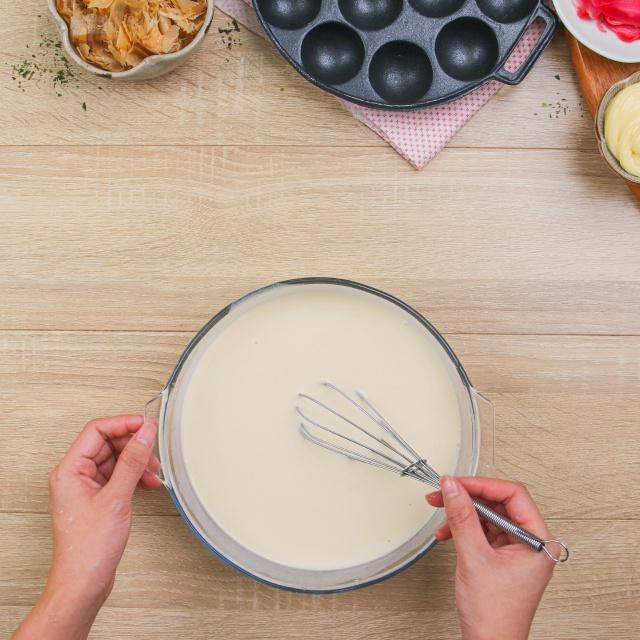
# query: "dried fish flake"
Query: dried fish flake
{"points": [[118, 34]]}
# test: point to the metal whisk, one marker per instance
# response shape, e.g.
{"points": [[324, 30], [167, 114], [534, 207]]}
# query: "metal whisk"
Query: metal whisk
{"points": [[398, 456]]}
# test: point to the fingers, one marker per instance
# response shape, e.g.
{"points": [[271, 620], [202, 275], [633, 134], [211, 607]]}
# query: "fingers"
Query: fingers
{"points": [[462, 518], [94, 439], [495, 536], [518, 503], [150, 481], [120, 442], [513, 501], [435, 499], [443, 533], [133, 462], [154, 464], [501, 540], [116, 447]]}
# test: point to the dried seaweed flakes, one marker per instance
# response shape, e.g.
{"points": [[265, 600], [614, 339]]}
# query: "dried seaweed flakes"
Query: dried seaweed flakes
{"points": [[44, 61], [228, 37]]}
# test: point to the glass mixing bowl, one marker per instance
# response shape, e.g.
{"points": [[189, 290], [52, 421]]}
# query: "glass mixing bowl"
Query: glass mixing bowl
{"points": [[166, 407]]}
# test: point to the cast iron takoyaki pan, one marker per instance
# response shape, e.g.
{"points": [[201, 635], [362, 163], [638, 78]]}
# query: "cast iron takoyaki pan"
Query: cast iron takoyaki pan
{"points": [[403, 54]]}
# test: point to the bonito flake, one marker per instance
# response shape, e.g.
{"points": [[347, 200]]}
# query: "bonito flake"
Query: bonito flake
{"points": [[118, 34]]}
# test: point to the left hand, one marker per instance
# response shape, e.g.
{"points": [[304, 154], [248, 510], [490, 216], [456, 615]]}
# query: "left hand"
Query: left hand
{"points": [[90, 494]]}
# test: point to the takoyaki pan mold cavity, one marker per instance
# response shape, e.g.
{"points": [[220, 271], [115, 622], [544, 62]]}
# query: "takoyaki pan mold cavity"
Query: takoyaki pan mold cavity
{"points": [[403, 54]]}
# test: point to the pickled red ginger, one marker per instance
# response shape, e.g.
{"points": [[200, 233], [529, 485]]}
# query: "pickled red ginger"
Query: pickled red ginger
{"points": [[620, 16]]}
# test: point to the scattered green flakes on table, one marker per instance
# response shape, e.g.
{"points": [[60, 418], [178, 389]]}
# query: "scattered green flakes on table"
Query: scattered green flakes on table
{"points": [[44, 63], [228, 34], [557, 108], [560, 107]]}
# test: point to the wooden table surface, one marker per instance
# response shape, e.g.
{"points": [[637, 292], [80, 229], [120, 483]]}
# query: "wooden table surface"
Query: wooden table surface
{"points": [[127, 225]]}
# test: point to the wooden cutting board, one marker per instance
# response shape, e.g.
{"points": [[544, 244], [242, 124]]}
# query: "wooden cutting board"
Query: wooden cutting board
{"points": [[595, 75]]}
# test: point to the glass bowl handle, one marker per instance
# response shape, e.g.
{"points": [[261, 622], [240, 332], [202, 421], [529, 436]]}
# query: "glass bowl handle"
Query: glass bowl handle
{"points": [[487, 467], [152, 412], [486, 454]]}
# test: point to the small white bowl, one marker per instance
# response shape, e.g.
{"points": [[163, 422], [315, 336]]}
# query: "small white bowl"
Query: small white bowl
{"points": [[151, 67], [600, 116]]}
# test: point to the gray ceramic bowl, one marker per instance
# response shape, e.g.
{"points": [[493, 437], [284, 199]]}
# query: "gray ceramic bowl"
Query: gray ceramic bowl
{"points": [[150, 67], [602, 107]]}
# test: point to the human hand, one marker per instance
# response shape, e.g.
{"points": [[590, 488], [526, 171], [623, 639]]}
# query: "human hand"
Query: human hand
{"points": [[90, 494], [499, 581]]}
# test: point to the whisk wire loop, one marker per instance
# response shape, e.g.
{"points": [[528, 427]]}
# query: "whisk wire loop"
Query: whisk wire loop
{"points": [[344, 437], [400, 458], [360, 428], [387, 427]]}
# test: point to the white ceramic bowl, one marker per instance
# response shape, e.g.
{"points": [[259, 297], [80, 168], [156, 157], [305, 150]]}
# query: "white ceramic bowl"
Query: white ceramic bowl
{"points": [[606, 43], [600, 115], [150, 67]]}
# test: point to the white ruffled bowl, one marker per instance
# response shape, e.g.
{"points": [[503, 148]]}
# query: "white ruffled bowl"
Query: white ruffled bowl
{"points": [[151, 67]]}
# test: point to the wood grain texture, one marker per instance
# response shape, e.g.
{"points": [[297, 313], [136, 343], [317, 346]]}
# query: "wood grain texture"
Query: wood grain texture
{"points": [[535, 241], [147, 624], [553, 396], [180, 580], [248, 95], [180, 573], [596, 75], [125, 227]]}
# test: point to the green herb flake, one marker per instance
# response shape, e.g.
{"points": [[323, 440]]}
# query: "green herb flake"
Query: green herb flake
{"points": [[48, 64]]}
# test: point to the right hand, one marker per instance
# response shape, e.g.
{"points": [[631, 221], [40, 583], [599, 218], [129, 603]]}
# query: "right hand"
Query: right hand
{"points": [[499, 581]]}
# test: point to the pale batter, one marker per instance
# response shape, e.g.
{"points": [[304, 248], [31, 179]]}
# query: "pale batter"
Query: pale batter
{"points": [[273, 491]]}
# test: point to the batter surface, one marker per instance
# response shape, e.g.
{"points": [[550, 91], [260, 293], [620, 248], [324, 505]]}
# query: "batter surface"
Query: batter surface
{"points": [[278, 494]]}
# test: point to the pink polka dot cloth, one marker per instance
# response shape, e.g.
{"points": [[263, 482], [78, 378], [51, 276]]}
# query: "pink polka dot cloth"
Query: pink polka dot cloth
{"points": [[418, 136]]}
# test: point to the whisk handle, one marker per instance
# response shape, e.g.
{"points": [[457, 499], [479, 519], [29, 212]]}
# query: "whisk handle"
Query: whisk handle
{"points": [[517, 532]]}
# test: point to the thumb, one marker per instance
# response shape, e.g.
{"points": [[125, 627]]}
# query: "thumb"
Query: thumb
{"points": [[462, 517], [133, 461]]}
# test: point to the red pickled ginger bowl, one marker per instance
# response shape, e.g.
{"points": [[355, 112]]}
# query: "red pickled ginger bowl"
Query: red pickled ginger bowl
{"points": [[608, 27]]}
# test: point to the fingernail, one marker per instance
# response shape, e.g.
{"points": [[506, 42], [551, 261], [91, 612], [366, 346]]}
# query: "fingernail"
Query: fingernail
{"points": [[146, 434], [449, 487]]}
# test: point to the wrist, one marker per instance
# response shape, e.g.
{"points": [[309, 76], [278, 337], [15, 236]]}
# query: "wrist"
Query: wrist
{"points": [[496, 627], [71, 582], [71, 601], [498, 635], [501, 632], [60, 614]]}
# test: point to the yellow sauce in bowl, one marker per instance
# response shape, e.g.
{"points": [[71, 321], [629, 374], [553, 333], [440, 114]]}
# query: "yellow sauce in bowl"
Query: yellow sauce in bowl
{"points": [[622, 128]]}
